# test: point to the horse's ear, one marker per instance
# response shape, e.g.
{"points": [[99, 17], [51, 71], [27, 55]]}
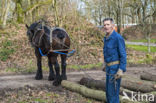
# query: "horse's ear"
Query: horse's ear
{"points": [[26, 26]]}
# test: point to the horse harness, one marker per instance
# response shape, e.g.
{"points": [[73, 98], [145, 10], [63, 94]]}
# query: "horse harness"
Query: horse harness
{"points": [[51, 41]]}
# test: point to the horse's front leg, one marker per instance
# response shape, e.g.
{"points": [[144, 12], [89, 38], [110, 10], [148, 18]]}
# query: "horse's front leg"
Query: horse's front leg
{"points": [[39, 74], [51, 71], [63, 67]]}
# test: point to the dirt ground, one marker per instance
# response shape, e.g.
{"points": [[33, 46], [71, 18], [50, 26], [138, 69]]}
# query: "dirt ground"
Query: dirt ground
{"points": [[25, 89]]}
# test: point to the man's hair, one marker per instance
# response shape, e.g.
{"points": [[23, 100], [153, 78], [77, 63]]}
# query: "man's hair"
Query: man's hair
{"points": [[108, 19]]}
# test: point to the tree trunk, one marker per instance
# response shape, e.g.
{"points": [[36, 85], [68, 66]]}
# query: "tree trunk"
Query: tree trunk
{"points": [[131, 85], [33, 12], [19, 12], [2, 10], [29, 16], [55, 10], [6, 14], [148, 76]]}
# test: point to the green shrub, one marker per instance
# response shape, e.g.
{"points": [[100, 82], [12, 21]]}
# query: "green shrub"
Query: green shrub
{"points": [[6, 50]]}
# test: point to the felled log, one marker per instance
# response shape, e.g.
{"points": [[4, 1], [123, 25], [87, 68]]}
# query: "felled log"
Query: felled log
{"points": [[127, 84], [92, 83], [138, 86], [87, 92], [148, 76]]}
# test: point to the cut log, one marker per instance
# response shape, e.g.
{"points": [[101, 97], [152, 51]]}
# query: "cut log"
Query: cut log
{"points": [[138, 86], [91, 83], [127, 84], [87, 92], [148, 76]]}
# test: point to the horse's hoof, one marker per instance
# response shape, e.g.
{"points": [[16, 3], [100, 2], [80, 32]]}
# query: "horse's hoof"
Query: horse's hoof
{"points": [[51, 78], [38, 77], [56, 83]]}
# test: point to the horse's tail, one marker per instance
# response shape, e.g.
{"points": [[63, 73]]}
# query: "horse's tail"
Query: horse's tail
{"points": [[61, 36]]}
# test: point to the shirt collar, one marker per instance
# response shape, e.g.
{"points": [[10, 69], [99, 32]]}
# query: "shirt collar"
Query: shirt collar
{"points": [[111, 35]]}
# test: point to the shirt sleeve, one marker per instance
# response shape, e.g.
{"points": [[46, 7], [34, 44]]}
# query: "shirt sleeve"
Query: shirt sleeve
{"points": [[122, 54]]}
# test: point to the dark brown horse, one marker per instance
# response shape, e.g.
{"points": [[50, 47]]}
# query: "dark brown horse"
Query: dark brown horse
{"points": [[44, 45]]}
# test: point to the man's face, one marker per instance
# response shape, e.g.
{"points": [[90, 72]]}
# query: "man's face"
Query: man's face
{"points": [[108, 27]]}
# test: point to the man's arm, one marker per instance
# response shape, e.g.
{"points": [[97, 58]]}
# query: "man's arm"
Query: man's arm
{"points": [[122, 54]]}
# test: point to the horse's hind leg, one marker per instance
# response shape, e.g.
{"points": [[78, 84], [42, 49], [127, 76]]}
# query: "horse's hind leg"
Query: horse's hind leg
{"points": [[39, 74], [63, 66], [57, 80], [51, 71]]}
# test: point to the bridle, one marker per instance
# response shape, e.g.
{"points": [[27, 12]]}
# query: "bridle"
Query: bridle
{"points": [[40, 38]]}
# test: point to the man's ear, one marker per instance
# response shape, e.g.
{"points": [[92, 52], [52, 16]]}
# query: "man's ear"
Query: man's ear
{"points": [[113, 25], [26, 26]]}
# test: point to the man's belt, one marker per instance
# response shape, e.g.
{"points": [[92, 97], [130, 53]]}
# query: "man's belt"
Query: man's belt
{"points": [[112, 63]]}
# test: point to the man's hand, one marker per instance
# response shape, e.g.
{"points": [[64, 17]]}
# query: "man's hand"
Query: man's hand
{"points": [[119, 74], [104, 67]]}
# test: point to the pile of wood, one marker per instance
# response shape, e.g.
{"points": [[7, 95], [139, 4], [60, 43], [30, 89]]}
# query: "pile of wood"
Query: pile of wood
{"points": [[95, 89], [88, 92], [140, 86]]}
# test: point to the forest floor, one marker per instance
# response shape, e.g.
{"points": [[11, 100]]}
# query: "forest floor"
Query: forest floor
{"points": [[24, 88]]}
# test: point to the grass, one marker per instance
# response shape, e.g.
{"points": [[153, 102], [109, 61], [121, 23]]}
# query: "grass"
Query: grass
{"points": [[12, 70], [148, 60], [32, 68], [144, 40], [87, 66], [141, 48]]}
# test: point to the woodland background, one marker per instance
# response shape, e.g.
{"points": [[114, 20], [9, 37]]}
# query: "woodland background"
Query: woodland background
{"points": [[82, 19]]}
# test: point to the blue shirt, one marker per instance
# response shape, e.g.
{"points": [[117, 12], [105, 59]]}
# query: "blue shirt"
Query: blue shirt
{"points": [[114, 50]]}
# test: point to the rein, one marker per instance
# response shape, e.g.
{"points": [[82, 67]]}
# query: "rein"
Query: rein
{"points": [[58, 52]]}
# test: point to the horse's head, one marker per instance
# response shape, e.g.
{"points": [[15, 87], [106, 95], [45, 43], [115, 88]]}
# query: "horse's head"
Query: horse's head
{"points": [[31, 30]]}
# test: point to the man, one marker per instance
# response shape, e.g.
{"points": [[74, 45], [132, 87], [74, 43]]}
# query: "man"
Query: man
{"points": [[114, 60]]}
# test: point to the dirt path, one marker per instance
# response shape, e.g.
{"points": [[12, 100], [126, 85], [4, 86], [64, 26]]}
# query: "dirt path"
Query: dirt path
{"points": [[17, 81]]}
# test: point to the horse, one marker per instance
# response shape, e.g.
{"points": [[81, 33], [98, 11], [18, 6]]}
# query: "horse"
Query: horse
{"points": [[49, 42]]}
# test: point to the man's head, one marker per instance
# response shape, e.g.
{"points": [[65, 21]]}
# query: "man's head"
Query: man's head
{"points": [[108, 25]]}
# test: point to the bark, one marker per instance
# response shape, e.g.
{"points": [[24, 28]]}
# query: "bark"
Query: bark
{"points": [[127, 84], [91, 83], [148, 76], [55, 10], [2, 10], [100, 85], [138, 86], [6, 14], [87, 92]]}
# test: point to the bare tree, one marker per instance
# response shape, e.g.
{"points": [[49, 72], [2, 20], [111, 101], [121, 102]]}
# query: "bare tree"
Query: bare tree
{"points": [[5, 10]]}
